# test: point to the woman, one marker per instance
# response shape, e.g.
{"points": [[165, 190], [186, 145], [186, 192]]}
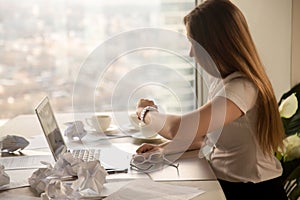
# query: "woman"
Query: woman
{"points": [[245, 113]]}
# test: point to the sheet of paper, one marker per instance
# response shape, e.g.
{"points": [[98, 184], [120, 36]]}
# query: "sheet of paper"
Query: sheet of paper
{"points": [[127, 147], [130, 176], [147, 189], [37, 142], [25, 162], [110, 188], [93, 140], [18, 178]]}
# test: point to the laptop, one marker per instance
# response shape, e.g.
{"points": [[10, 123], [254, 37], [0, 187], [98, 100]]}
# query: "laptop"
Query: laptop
{"points": [[54, 136]]}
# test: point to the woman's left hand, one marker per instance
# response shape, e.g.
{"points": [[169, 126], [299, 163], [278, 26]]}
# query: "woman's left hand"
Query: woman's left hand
{"points": [[142, 103]]}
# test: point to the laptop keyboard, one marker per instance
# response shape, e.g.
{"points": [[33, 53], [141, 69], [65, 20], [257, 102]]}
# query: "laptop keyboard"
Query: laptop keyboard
{"points": [[87, 154]]}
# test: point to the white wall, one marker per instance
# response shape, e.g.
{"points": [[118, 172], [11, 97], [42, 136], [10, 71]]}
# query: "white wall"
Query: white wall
{"points": [[296, 43], [270, 25]]}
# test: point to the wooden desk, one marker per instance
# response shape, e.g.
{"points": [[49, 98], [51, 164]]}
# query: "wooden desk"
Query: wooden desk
{"points": [[193, 172]]}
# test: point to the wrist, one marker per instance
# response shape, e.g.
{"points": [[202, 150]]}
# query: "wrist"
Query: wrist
{"points": [[145, 111]]}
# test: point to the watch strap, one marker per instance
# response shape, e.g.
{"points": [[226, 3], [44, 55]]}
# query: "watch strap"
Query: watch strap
{"points": [[144, 112]]}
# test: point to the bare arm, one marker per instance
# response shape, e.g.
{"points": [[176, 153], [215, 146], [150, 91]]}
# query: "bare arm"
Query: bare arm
{"points": [[188, 131]]}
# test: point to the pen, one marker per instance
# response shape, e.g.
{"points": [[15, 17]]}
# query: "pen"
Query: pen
{"points": [[116, 171]]}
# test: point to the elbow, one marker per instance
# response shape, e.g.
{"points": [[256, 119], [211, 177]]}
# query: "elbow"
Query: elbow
{"points": [[197, 143], [170, 132]]}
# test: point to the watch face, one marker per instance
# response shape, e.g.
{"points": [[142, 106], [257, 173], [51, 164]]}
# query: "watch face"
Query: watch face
{"points": [[150, 108]]}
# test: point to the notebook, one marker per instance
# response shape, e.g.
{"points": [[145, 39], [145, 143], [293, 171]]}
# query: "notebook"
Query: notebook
{"points": [[54, 136]]}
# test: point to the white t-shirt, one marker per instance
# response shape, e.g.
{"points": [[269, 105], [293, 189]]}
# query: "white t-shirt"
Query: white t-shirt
{"points": [[237, 156]]}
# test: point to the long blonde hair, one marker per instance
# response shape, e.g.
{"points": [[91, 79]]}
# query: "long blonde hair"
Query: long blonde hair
{"points": [[221, 29]]}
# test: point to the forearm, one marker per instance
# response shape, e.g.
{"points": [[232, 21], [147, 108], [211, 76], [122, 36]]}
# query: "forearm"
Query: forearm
{"points": [[165, 124], [173, 147], [185, 131], [182, 130]]}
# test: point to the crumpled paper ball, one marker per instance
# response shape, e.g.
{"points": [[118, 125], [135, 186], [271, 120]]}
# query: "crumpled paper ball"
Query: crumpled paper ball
{"points": [[56, 189], [39, 179], [4, 178], [13, 143], [54, 182], [91, 178], [67, 165], [75, 130]]}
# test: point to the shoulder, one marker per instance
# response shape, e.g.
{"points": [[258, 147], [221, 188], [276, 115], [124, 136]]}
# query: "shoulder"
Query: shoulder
{"points": [[240, 90], [238, 82]]}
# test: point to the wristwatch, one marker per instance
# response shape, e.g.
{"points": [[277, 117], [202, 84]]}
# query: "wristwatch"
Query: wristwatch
{"points": [[145, 110]]}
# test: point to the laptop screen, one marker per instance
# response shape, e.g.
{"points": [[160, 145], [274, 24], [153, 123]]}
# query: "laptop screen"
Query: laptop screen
{"points": [[50, 128]]}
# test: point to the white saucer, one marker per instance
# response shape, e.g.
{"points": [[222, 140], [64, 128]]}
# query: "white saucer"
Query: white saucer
{"points": [[112, 129], [130, 127], [142, 137]]}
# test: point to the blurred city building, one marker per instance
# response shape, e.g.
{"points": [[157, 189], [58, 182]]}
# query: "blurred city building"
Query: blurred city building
{"points": [[44, 44]]}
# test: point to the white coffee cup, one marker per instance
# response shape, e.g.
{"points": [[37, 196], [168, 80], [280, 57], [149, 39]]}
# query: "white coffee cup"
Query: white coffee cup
{"points": [[99, 122], [134, 120], [147, 131]]}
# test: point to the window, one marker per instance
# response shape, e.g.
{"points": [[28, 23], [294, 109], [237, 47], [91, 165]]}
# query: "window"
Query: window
{"points": [[45, 46]]}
